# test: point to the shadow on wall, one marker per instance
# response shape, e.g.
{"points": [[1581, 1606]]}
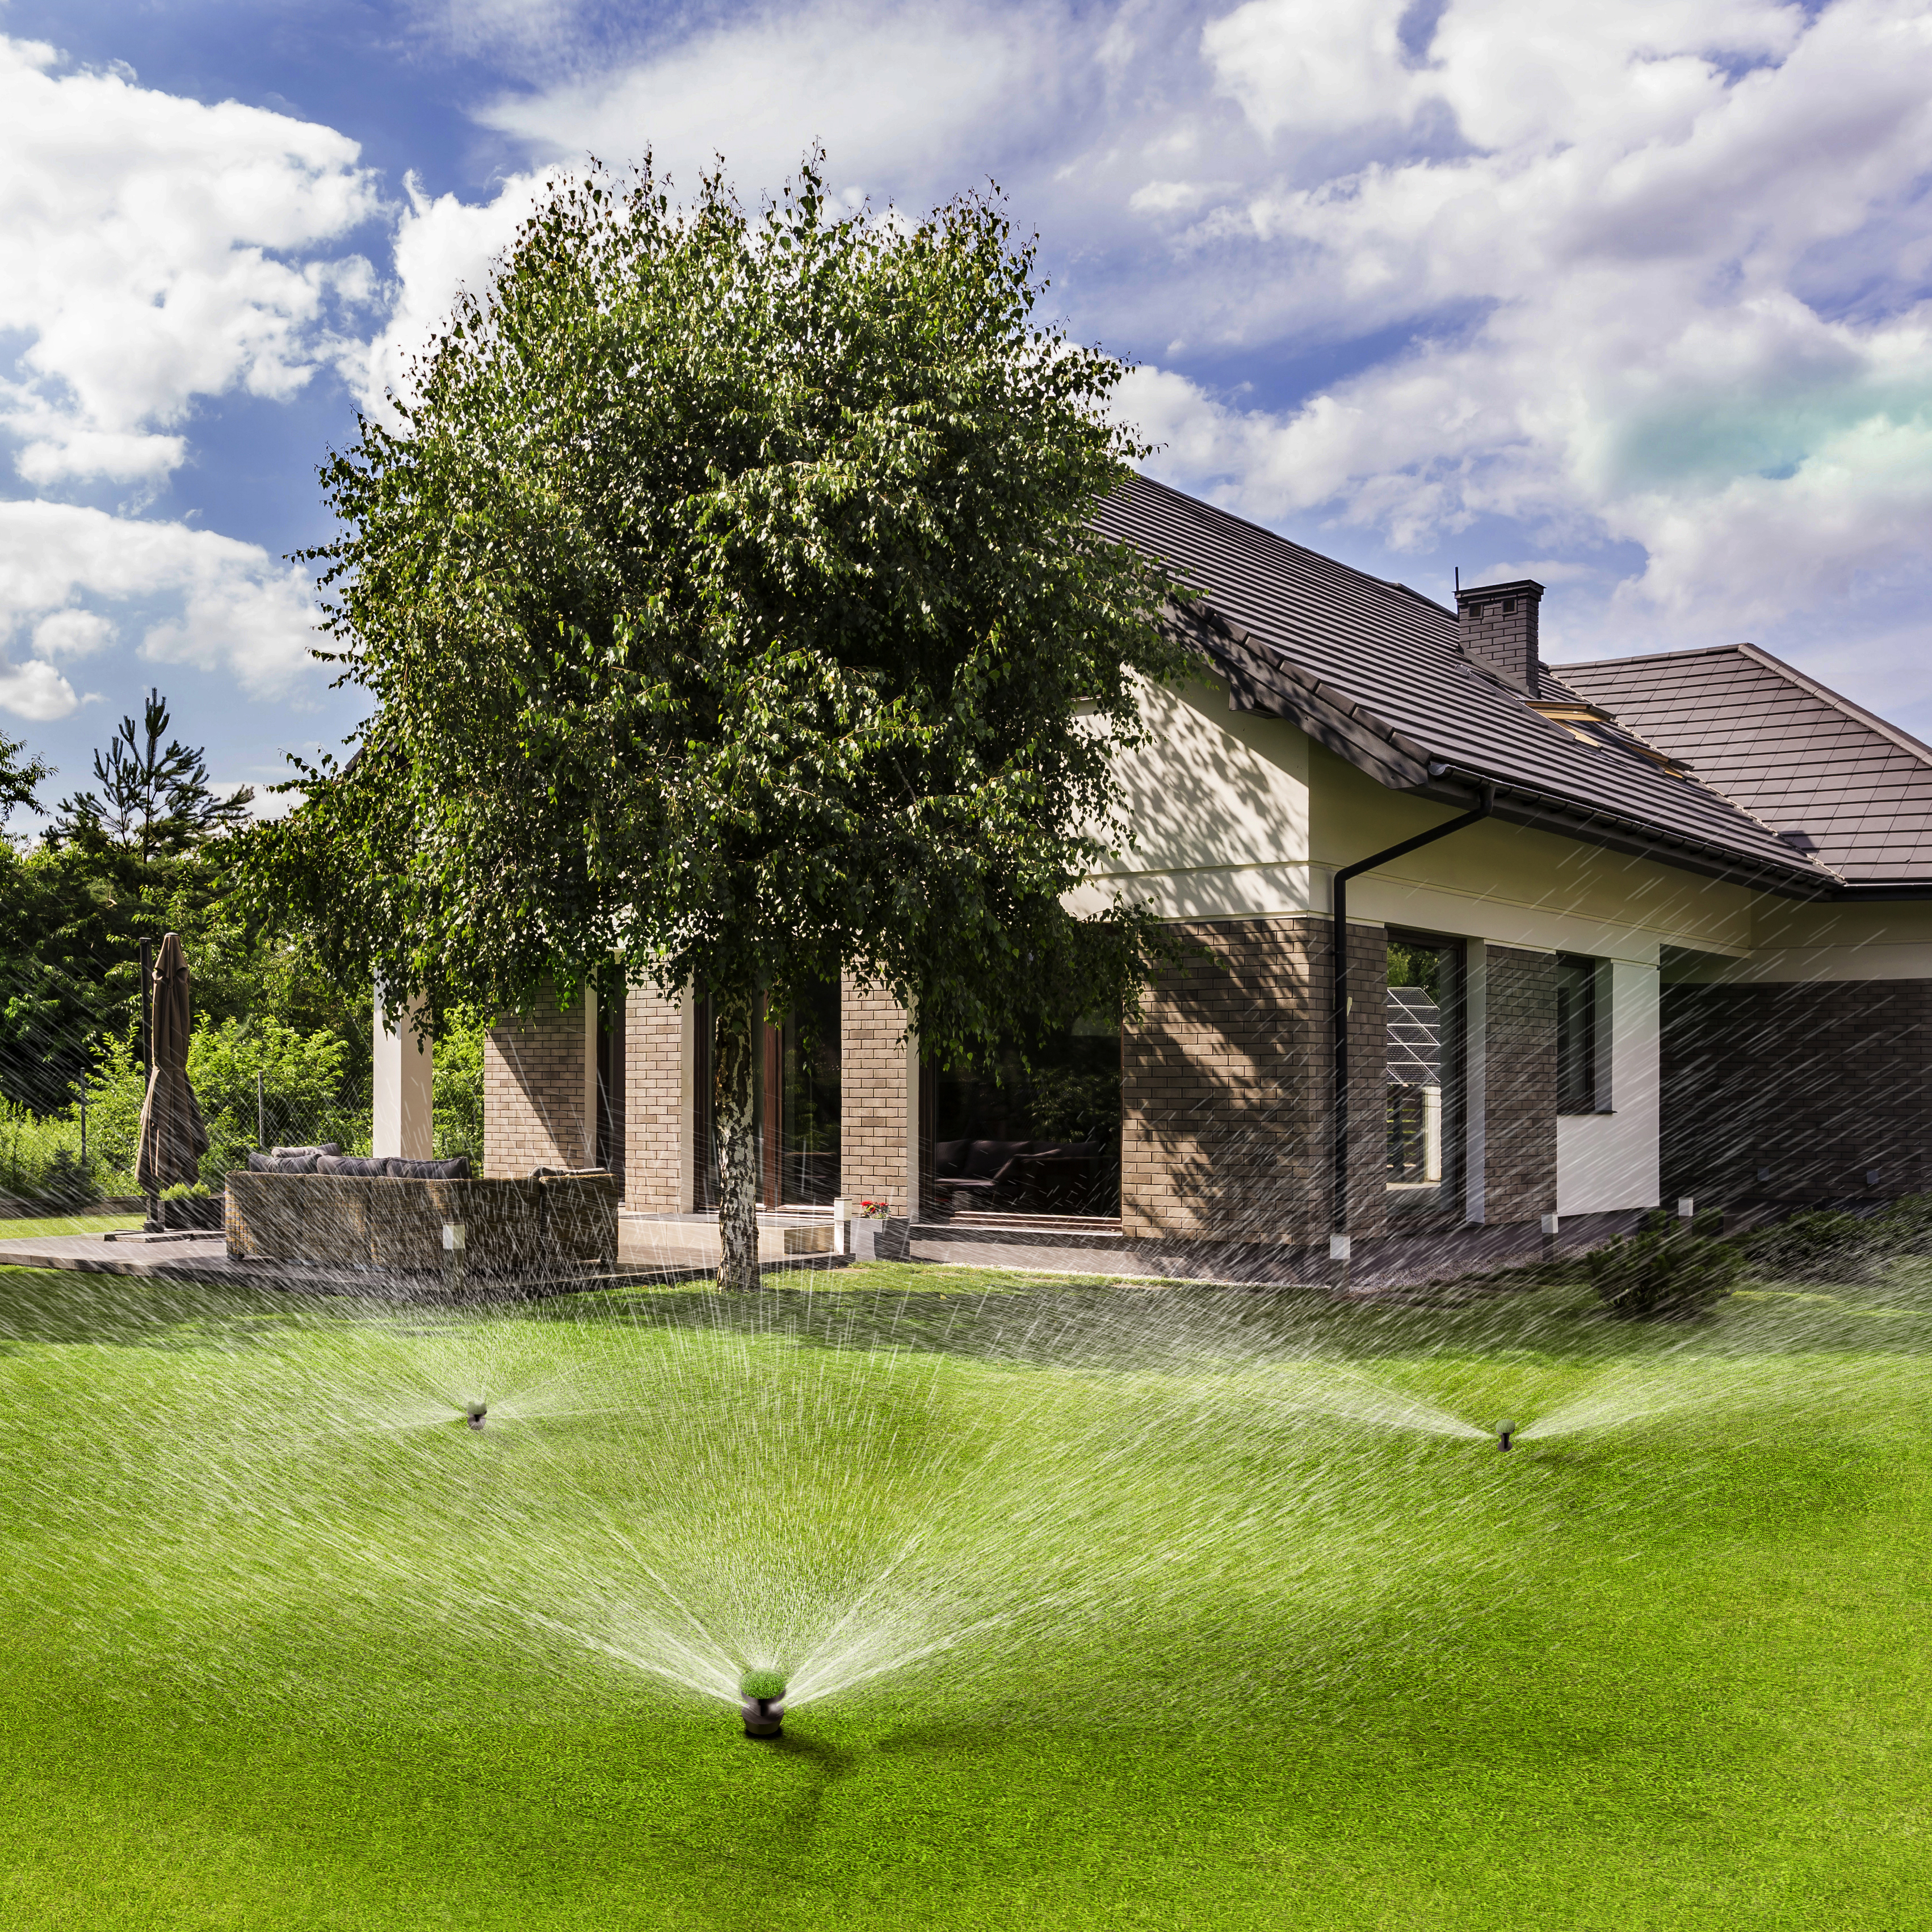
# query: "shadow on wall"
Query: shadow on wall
{"points": [[1227, 1086], [1798, 1092]]}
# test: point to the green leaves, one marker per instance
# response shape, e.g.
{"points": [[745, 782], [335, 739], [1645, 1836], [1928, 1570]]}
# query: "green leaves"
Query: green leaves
{"points": [[729, 608]]}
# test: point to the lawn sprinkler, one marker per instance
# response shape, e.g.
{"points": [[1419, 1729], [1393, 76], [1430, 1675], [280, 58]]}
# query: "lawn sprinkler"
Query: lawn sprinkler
{"points": [[475, 1412], [1505, 1430], [763, 1708]]}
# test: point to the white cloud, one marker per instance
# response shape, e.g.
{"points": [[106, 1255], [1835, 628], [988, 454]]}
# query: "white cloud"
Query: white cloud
{"points": [[1312, 66], [442, 246], [1645, 301], [154, 250], [899, 95], [196, 597], [1641, 290], [35, 692], [72, 633]]}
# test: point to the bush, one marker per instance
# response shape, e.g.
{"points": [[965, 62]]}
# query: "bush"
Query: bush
{"points": [[457, 1086], [39, 1159], [1667, 1269], [1823, 1246]]}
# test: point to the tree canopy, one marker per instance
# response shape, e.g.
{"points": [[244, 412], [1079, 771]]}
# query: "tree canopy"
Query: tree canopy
{"points": [[728, 602]]}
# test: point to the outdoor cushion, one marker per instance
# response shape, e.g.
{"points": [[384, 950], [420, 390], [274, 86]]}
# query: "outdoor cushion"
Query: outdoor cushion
{"points": [[354, 1166], [455, 1169], [988, 1159], [269, 1163], [326, 1147]]}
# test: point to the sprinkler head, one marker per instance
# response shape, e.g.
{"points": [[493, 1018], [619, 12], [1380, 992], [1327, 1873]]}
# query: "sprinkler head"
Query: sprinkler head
{"points": [[1505, 1430], [763, 1708], [476, 1412]]}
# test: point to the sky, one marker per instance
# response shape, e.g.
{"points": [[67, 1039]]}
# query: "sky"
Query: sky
{"points": [[1635, 299]]}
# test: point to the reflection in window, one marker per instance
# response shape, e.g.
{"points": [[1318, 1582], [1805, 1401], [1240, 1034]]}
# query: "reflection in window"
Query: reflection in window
{"points": [[1422, 1065], [809, 1066], [1038, 1133], [1576, 1035]]}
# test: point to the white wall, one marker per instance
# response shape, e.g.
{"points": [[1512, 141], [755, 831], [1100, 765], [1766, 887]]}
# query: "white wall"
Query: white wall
{"points": [[404, 1122], [1609, 1160]]}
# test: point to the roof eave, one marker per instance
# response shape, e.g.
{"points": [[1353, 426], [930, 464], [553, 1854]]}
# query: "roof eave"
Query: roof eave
{"points": [[1259, 681]]}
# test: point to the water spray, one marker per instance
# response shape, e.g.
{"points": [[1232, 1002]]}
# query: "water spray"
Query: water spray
{"points": [[475, 1411], [1504, 1431], [763, 1708]]}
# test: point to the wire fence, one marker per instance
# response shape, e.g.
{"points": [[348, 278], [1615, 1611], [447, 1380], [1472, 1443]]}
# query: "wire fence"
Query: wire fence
{"points": [[260, 1084]]}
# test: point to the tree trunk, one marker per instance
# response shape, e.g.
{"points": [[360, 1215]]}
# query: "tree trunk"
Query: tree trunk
{"points": [[732, 1112]]}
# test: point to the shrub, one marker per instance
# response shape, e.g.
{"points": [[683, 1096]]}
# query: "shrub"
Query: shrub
{"points": [[1823, 1246], [186, 1190], [1667, 1268]]}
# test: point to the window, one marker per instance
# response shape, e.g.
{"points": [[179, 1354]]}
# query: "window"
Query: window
{"points": [[1423, 1063], [1031, 1131], [1576, 1035]]}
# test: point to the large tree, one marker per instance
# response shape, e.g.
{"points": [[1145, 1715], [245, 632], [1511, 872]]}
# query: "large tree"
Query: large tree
{"points": [[729, 604]]}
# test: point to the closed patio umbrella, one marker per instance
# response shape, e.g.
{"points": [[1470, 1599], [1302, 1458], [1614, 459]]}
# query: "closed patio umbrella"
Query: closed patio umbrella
{"points": [[174, 1136]]}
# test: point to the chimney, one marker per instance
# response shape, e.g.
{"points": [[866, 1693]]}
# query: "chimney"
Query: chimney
{"points": [[1498, 629]]}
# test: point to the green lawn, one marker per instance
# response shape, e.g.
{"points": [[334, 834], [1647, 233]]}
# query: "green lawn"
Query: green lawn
{"points": [[283, 1645], [66, 1224]]}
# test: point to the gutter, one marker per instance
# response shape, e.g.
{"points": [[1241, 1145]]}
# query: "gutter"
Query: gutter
{"points": [[1338, 914]]}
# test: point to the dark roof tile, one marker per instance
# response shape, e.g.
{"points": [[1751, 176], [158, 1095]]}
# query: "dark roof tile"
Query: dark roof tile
{"points": [[1386, 661]]}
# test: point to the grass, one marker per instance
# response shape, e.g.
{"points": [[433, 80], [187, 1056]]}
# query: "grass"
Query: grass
{"points": [[266, 1656], [27, 1228]]}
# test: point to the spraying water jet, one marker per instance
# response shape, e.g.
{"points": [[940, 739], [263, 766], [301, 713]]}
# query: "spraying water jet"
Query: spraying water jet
{"points": [[763, 1708]]}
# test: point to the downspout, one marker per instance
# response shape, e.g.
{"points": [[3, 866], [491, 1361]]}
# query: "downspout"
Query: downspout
{"points": [[1339, 1152]]}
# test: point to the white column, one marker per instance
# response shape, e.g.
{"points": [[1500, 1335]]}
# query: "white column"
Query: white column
{"points": [[403, 1125]]}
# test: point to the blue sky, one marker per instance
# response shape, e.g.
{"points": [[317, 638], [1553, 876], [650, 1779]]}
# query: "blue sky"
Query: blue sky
{"points": [[1633, 299]]}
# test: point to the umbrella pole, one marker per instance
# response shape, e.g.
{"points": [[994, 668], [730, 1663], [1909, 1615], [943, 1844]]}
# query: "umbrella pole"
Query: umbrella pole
{"points": [[150, 1205]]}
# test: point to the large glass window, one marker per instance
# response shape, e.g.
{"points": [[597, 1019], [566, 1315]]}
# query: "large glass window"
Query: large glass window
{"points": [[1576, 1035], [808, 1072], [1037, 1132], [1423, 1070], [796, 1094]]}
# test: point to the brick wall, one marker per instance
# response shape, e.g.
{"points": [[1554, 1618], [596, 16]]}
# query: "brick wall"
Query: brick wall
{"points": [[1519, 1128], [873, 1126], [533, 1092], [1226, 1087], [1817, 1082], [654, 1078]]}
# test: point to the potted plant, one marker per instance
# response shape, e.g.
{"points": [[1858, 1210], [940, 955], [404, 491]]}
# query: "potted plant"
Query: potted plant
{"points": [[189, 1205]]}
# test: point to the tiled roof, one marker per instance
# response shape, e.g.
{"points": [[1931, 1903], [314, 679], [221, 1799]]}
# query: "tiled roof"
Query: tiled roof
{"points": [[1373, 671], [1788, 749]]}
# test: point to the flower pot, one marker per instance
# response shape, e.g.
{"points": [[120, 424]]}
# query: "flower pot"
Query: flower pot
{"points": [[192, 1216]]}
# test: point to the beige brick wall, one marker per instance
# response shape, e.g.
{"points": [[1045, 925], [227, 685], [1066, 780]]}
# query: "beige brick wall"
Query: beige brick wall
{"points": [[1226, 1086], [534, 1086], [875, 1123], [656, 1094]]}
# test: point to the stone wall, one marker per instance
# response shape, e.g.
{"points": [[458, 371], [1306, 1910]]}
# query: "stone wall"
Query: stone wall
{"points": [[875, 1091], [1227, 1082], [1798, 1092], [1519, 1130], [654, 1090], [534, 1086]]}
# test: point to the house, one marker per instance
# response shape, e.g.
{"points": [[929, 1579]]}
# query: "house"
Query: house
{"points": [[1613, 933]]}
